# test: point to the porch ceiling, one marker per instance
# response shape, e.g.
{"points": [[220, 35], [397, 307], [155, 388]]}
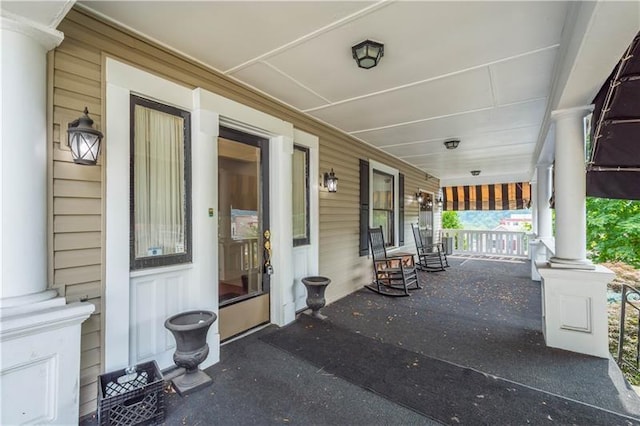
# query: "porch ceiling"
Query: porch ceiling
{"points": [[478, 71]]}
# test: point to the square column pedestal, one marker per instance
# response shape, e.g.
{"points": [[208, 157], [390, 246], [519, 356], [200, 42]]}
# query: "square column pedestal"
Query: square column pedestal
{"points": [[40, 365], [574, 309]]}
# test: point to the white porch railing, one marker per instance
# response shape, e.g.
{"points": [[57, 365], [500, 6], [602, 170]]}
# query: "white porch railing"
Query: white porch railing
{"points": [[504, 243]]}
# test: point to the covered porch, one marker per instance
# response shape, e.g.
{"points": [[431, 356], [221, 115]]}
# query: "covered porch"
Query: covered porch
{"points": [[471, 339]]}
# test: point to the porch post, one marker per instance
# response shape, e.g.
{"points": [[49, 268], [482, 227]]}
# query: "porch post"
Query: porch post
{"points": [[574, 291], [543, 196], [539, 247], [570, 190], [534, 207], [39, 332]]}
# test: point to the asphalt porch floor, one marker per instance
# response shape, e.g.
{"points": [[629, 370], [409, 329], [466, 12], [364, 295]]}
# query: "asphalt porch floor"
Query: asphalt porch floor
{"points": [[478, 316]]}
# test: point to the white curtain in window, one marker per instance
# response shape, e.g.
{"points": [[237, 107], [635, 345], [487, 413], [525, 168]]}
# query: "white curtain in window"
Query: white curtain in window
{"points": [[159, 197], [299, 176]]}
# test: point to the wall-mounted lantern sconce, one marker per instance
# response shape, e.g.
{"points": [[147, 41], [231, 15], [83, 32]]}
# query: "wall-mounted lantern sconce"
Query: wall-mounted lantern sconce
{"points": [[331, 181], [367, 53], [84, 140], [425, 200], [439, 202]]}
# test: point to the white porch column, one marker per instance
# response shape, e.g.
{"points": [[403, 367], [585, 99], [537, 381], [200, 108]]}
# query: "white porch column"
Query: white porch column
{"points": [[570, 189], [544, 194], [39, 333], [24, 164], [574, 291], [544, 226], [534, 207]]}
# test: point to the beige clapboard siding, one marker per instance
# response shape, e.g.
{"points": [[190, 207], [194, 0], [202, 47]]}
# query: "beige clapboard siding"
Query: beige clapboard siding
{"points": [[77, 203], [73, 258], [77, 223]]}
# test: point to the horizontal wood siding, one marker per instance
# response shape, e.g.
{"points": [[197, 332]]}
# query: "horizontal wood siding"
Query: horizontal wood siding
{"points": [[78, 233], [77, 204]]}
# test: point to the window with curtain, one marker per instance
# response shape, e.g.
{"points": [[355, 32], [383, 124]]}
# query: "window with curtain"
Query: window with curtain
{"points": [[160, 185], [300, 176], [383, 204]]}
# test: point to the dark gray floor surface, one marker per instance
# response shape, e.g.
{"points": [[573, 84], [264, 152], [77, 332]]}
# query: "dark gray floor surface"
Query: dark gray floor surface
{"points": [[478, 314]]}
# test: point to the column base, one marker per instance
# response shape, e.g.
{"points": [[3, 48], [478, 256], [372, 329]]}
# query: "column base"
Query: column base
{"points": [[559, 263], [40, 363], [574, 309]]}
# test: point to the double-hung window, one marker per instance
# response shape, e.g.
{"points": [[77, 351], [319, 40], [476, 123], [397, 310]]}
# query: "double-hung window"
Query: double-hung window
{"points": [[383, 205], [160, 186]]}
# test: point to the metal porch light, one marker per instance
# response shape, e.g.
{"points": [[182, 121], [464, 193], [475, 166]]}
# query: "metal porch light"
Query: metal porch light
{"points": [[452, 143], [368, 53], [419, 197], [439, 202], [84, 140], [331, 181]]}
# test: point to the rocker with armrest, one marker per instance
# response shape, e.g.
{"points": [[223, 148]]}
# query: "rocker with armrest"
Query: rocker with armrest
{"points": [[430, 257], [393, 275]]}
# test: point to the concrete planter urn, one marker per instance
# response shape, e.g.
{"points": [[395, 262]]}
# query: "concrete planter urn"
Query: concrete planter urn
{"points": [[315, 294], [190, 331]]}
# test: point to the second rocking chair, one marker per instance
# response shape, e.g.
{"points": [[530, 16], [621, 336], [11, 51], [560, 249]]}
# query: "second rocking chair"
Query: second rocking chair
{"points": [[430, 256]]}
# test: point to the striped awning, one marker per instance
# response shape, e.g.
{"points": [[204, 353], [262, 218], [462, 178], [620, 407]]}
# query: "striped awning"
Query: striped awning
{"points": [[499, 196]]}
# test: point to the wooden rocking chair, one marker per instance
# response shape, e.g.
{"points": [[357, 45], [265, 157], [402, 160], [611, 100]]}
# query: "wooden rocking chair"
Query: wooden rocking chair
{"points": [[430, 256], [392, 275]]}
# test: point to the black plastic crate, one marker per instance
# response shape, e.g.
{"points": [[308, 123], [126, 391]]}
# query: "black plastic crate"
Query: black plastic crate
{"points": [[139, 401]]}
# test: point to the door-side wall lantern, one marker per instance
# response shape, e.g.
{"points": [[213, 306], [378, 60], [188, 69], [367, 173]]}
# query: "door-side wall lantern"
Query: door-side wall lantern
{"points": [[425, 200], [368, 53], [84, 140], [331, 181]]}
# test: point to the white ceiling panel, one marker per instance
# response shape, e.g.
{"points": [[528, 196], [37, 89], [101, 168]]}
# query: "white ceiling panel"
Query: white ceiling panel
{"points": [[422, 40], [495, 119], [524, 78], [462, 92], [224, 34], [270, 81], [474, 141]]}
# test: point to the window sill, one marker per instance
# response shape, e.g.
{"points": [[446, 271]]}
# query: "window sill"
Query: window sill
{"points": [[160, 270]]}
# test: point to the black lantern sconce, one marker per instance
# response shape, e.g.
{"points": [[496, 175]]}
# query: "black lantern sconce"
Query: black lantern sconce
{"points": [[439, 202], [331, 181], [367, 53], [425, 200], [84, 140]]}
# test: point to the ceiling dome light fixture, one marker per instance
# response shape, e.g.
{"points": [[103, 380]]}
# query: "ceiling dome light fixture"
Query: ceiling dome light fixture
{"points": [[452, 143], [475, 172], [368, 53]]}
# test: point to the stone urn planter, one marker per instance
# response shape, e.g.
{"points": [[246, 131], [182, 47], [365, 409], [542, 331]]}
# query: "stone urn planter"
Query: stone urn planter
{"points": [[190, 331], [315, 294]]}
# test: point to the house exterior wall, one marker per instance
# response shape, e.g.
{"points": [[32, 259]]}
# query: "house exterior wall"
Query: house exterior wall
{"points": [[77, 230]]}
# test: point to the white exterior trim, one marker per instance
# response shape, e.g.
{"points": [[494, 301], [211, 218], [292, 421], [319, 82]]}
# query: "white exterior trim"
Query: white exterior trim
{"points": [[193, 286]]}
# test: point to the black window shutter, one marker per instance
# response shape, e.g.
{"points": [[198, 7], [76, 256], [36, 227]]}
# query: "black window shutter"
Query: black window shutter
{"points": [[364, 207], [401, 209]]}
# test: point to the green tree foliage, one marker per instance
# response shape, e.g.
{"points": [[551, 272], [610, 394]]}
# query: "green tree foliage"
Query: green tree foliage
{"points": [[613, 230], [450, 220]]}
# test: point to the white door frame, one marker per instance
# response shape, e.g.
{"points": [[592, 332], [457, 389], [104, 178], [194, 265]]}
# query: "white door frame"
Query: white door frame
{"points": [[197, 288]]}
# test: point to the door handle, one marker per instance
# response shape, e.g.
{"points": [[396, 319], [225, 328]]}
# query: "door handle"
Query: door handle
{"points": [[268, 269]]}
